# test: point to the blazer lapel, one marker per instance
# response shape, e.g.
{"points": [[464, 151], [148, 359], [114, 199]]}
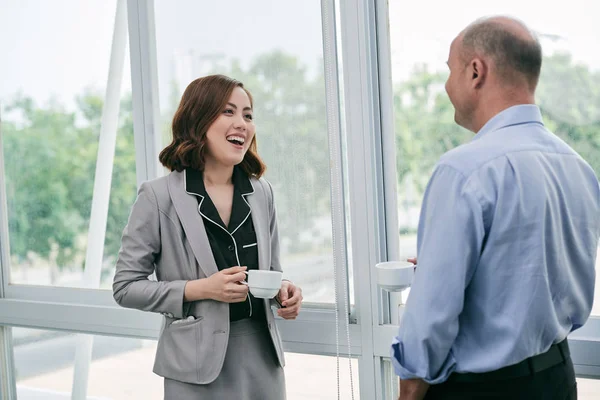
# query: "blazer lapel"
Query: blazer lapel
{"points": [[260, 219], [186, 207]]}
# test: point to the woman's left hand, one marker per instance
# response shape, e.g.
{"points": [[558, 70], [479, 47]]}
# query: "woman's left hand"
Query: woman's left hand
{"points": [[290, 297]]}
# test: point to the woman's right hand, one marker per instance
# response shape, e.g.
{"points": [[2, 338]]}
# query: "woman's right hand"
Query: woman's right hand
{"points": [[223, 286]]}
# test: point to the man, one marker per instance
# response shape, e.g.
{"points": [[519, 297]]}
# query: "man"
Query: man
{"points": [[507, 238]]}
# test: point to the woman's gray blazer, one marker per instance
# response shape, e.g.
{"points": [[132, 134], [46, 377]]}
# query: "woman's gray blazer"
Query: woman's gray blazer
{"points": [[165, 234]]}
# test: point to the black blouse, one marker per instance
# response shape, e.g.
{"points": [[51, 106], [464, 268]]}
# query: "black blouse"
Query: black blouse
{"points": [[234, 244]]}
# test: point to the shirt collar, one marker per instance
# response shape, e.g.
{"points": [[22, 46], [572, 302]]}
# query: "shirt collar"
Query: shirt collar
{"points": [[515, 115], [240, 210], [194, 182], [241, 181]]}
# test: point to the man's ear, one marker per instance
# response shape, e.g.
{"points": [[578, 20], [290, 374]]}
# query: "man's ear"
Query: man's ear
{"points": [[478, 72]]}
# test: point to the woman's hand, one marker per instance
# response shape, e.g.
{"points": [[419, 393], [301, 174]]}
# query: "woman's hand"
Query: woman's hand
{"points": [[290, 297], [223, 286]]}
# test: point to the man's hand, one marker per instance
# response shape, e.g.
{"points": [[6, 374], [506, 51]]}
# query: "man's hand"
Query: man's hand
{"points": [[413, 389], [290, 297]]}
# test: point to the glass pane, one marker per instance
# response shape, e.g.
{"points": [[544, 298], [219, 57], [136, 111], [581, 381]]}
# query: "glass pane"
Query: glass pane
{"points": [[568, 91], [390, 380], [311, 377], [121, 369], [280, 60], [52, 101]]}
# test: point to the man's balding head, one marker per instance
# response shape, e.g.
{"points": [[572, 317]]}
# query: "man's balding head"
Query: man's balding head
{"points": [[512, 47], [494, 64]]}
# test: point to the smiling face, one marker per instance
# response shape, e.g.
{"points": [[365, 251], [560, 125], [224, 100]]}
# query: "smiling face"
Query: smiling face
{"points": [[232, 133]]}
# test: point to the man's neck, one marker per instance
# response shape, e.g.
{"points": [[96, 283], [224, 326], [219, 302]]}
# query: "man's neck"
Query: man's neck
{"points": [[495, 106]]}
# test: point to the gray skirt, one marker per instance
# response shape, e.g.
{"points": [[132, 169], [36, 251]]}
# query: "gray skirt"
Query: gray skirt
{"points": [[250, 370]]}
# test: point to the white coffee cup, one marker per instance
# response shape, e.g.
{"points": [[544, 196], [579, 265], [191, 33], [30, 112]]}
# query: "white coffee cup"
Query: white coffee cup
{"points": [[395, 276], [264, 284]]}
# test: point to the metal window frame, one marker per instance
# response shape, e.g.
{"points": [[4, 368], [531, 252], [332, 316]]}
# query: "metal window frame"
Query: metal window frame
{"points": [[366, 189], [8, 388]]}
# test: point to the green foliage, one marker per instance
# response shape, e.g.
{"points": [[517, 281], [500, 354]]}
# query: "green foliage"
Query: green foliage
{"points": [[42, 214], [290, 115], [568, 95], [50, 161], [50, 153], [425, 127]]}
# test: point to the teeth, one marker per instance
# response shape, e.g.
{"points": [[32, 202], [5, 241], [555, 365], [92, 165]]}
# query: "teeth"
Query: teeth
{"points": [[236, 139]]}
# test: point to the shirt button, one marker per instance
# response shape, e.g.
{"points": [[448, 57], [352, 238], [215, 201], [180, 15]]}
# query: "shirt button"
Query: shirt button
{"points": [[230, 247]]}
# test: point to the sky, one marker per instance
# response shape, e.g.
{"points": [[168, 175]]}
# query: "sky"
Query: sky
{"points": [[428, 39], [57, 48]]}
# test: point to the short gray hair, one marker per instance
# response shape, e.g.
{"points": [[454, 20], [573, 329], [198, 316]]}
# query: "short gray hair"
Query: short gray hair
{"points": [[514, 55]]}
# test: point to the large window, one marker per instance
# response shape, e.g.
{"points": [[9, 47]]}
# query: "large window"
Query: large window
{"points": [[44, 365], [276, 49], [87, 93], [568, 95], [568, 91], [63, 105], [121, 369], [84, 96]]}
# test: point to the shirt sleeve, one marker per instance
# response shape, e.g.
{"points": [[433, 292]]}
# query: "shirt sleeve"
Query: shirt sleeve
{"points": [[449, 241]]}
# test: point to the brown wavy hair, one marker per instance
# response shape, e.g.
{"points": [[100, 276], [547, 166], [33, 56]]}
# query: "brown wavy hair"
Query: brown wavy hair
{"points": [[202, 103]]}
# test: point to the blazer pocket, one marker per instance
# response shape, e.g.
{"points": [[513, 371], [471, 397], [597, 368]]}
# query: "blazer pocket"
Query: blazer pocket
{"points": [[177, 355], [175, 325]]}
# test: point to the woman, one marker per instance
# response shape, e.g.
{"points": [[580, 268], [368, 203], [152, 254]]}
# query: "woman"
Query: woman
{"points": [[200, 228]]}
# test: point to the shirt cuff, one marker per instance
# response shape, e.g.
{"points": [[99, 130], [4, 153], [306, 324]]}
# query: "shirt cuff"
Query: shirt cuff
{"points": [[405, 373]]}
